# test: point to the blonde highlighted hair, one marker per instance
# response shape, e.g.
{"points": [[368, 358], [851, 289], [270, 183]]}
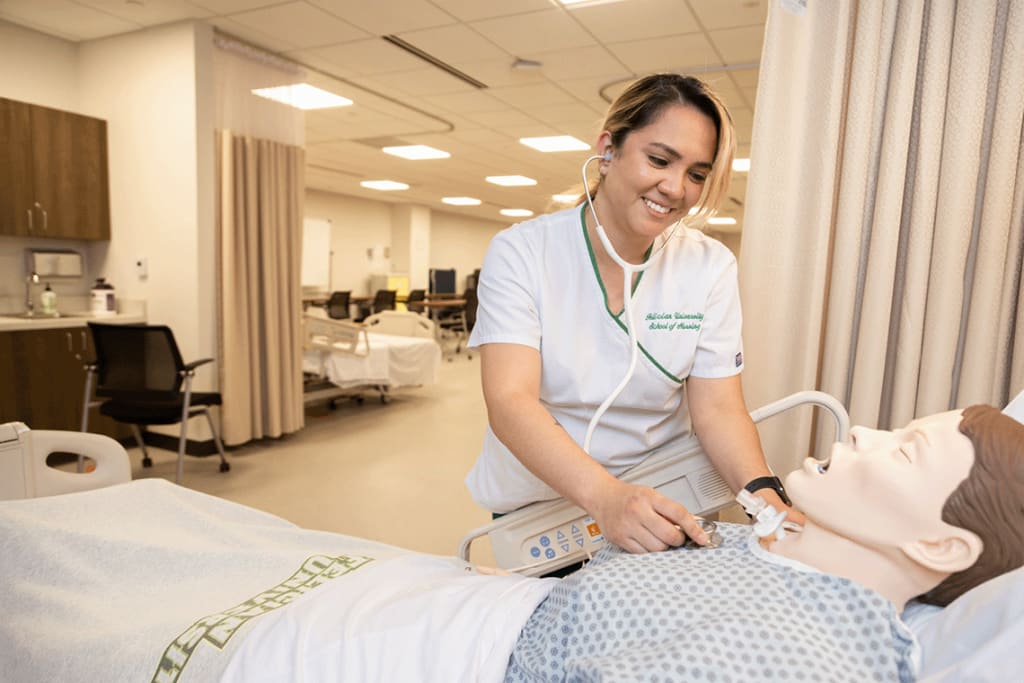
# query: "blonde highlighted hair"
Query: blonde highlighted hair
{"points": [[641, 103]]}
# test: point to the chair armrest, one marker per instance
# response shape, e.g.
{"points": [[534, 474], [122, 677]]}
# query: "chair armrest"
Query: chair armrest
{"points": [[190, 367]]}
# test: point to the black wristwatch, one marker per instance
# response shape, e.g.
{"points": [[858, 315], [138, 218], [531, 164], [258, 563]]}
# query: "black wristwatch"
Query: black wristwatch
{"points": [[768, 483]]}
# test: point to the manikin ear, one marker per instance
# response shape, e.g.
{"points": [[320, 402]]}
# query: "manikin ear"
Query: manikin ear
{"points": [[953, 553]]}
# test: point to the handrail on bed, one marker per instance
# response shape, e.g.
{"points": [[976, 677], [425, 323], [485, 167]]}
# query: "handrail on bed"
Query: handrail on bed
{"points": [[684, 473], [326, 334]]}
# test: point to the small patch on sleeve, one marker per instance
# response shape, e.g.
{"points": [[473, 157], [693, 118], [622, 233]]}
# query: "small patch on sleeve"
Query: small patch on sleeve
{"points": [[739, 359]]}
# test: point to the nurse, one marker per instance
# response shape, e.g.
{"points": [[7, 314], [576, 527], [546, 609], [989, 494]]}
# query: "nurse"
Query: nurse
{"points": [[554, 343]]}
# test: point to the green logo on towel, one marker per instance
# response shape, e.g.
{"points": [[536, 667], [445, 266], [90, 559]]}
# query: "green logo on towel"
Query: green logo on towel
{"points": [[218, 628]]}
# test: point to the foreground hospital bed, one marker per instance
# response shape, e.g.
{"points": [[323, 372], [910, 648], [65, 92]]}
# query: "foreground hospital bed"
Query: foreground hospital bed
{"points": [[389, 350], [145, 580]]}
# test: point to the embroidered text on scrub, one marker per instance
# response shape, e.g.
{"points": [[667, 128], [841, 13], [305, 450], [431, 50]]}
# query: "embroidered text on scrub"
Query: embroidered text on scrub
{"points": [[767, 520]]}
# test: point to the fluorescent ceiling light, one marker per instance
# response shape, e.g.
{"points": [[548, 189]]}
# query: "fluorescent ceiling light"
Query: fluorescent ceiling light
{"points": [[510, 180], [565, 198], [416, 152], [303, 96], [721, 220], [585, 3], [461, 201], [741, 165], [384, 185], [555, 143], [516, 212]]}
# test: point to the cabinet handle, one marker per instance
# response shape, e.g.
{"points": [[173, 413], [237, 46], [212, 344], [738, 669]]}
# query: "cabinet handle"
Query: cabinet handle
{"points": [[31, 227], [68, 335], [44, 219], [85, 342]]}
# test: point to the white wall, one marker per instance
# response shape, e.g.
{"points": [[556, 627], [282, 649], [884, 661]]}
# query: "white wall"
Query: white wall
{"points": [[359, 225]]}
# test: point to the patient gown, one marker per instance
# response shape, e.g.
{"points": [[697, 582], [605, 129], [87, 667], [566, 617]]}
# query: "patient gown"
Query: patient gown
{"points": [[735, 613]]}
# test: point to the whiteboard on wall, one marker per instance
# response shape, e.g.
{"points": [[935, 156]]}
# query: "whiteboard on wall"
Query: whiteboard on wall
{"points": [[316, 254]]}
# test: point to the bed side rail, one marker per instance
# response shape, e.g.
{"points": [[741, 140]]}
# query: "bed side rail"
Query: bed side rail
{"points": [[402, 323], [334, 335]]}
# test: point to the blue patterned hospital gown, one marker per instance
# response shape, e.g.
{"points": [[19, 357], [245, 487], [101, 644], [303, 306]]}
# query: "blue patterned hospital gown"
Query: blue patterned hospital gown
{"points": [[735, 613]]}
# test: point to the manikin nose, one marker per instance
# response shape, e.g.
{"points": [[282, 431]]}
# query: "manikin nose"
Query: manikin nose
{"points": [[864, 438]]}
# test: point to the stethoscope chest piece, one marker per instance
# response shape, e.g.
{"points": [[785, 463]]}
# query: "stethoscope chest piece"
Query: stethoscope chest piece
{"points": [[714, 537]]}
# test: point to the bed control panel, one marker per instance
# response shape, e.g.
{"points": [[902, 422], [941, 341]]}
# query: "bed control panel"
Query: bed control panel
{"points": [[547, 536]]}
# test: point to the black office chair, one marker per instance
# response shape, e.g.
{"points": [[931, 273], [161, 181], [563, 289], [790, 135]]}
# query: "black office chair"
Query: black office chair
{"points": [[140, 372], [338, 305], [460, 321], [383, 300], [414, 302]]}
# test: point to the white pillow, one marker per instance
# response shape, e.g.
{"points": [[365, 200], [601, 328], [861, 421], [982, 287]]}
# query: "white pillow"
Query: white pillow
{"points": [[1015, 408], [977, 637]]}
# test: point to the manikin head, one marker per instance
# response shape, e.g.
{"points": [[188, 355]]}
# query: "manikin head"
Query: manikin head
{"points": [[944, 496]]}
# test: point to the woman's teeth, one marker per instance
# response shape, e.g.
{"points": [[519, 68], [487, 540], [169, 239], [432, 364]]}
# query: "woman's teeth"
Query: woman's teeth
{"points": [[656, 207]]}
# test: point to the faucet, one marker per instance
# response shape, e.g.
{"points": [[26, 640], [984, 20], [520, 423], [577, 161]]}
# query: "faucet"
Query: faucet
{"points": [[32, 278]]}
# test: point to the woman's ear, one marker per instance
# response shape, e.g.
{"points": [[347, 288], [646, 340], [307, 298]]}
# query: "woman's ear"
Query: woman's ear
{"points": [[953, 553]]}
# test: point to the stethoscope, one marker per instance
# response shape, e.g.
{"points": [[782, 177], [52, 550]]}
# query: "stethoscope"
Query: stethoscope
{"points": [[628, 271]]}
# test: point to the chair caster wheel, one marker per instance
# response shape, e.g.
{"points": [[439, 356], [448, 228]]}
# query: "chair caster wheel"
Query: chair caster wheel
{"points": [[225, 467], [385, 399], [359, 400], [147, 462]]}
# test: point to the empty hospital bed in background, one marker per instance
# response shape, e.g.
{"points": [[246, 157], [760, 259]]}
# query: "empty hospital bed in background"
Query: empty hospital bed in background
{"points": [[388, 350]]}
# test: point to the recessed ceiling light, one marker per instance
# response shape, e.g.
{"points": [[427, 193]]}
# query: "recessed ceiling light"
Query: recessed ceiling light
{"points": [[516, 212], [721, 220], [461, 201], [416, 152], [741, 165], [565, 198], [384, 185], [303, 96], [555, 143], [510, 180]]}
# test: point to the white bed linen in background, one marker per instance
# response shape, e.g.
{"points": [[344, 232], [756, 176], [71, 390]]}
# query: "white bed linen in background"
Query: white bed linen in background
{"points": [[393, 361], [151, 581]]}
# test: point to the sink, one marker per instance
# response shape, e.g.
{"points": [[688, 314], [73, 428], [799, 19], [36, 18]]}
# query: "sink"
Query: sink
{"points": [[39, 316]]}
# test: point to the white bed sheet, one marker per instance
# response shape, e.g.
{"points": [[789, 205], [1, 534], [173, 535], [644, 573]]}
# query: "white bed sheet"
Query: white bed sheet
{"points": [[393, 361], [151, 581]]}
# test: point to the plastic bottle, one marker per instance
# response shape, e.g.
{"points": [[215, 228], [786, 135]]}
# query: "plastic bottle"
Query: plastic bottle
{"points": [[48, 299], [101, 298]]}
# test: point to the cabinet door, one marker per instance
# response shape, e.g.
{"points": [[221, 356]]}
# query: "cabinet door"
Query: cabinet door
{"points": [[15, 168], [69, 175], [9, 411], [49, 380]]}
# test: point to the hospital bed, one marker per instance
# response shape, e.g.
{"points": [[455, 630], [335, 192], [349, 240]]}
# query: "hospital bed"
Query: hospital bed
{"points": [[225, 592], [388, 350]]}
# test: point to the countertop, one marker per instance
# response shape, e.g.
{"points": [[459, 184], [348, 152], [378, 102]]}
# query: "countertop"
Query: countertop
{"points": [[71, 319]]}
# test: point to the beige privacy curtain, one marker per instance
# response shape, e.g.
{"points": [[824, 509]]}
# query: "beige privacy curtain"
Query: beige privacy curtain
{"points": [[260, 191], [882, 245]]}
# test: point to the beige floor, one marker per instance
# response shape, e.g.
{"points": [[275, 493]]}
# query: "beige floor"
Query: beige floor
{"points": [[391, 473]]}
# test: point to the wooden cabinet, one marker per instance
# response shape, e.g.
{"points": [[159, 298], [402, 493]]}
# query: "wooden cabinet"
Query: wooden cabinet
{"points": [[43, 380], [53, 173]]}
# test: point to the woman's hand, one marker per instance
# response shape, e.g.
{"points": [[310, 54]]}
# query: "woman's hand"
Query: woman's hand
{"points": [[638, 519]]}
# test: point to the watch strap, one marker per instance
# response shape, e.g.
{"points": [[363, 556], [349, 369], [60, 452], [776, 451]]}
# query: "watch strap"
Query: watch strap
{"points": [[768, 483]]}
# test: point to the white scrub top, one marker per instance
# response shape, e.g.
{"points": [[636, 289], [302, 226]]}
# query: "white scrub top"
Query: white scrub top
{"points": [[539, 286]]}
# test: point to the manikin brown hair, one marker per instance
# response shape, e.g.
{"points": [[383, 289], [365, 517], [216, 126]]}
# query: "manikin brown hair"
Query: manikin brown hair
{"points": [[989, 502]]}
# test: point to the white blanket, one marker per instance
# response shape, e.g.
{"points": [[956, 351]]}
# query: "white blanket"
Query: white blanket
{"points": [[151, 581], [393, 361]]}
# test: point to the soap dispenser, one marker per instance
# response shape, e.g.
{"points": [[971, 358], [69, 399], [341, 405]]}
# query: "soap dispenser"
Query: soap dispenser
{"points": [[48, 299]]}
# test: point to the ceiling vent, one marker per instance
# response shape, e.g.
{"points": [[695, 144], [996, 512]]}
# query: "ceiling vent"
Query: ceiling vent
{"points": [[431, 59]]}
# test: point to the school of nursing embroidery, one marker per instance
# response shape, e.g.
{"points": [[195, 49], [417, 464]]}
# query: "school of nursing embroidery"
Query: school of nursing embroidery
{"points": [[675, 321]]}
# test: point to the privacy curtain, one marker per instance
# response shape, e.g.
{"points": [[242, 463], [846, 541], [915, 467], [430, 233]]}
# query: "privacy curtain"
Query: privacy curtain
{"points": [[882, 241], [260, 224]]}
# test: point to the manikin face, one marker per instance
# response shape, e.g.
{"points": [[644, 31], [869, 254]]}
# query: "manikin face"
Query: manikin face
{"points": [[884, 489], [657, 175]]}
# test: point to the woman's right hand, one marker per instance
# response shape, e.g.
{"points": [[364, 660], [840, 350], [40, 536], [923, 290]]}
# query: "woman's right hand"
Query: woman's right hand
{"points": [[638, 519]]}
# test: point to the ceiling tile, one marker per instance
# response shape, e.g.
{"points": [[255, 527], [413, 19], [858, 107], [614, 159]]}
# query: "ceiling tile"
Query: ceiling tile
{"points": [[525, 34], [222, 7], [621, 21], [426, 81], [471, 10], [716, 14], [689, 52], [385, 18], [499, 73], [64, 19], [369, 56], [739, 45], [526, 96], [592, 61], [149, 13], [299, 25], [456, 43], [466, 103]]}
